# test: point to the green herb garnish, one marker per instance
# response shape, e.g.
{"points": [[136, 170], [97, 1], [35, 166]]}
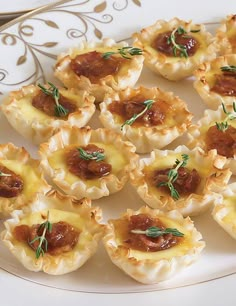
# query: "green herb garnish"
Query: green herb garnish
{"points": [[177, 47], [53, 91], [148, 105], [125, 52], [43, 243], [4, 174], [173, 175], [228, 69], [154, 231], [223, 126], [97, 156]]}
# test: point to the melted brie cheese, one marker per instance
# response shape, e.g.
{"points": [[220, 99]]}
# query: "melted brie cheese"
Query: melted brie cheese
{"points": [[230, 205]]}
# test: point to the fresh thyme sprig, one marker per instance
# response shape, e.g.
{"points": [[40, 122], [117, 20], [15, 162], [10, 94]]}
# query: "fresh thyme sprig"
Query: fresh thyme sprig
{"points": [[148, 105], [223, 126], [53, 91], [47, 227], [173, 175], [229, 68], [97, 156], [4, 174], [125, 52], [178, 47], [154, 231]]}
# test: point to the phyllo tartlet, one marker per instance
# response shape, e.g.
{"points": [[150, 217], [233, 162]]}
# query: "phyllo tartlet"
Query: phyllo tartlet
{"points": [[150, 245], [99, 67], [180, 179], [216, 81], [56, 234], [224, 211], [38, 112], [175, 48], [216, 130], [88, 163], [20, 179], [226, 35], [148, 117]]}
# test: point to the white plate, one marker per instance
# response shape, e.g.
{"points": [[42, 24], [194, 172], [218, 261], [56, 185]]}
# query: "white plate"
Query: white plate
{"points": [[28, 51], [15, 8]]}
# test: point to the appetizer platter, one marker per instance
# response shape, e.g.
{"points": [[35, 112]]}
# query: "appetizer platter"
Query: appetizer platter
{"points": [[117, 159]]}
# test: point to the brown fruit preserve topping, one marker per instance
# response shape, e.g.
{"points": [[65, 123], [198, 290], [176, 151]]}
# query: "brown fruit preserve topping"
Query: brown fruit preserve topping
{"points": [[46, 104], [225, 84], [11, 184], [223, 142], [144, 243], [62, 238], [162, 43], [87, 162], [186, 182], [128, 108], [93, 66]]}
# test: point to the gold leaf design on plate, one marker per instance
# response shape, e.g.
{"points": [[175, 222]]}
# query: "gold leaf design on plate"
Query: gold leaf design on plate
{"points": [[98, 33], [26, 30], [21, 60], [51, 24], [100, 7], [9, 40], [137, 2], [50, 44]]}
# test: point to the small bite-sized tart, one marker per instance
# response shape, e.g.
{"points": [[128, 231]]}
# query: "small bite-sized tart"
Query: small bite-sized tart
{"points": [[20, 179], [175, 48], [38, 112], [216, 130], [56, 234], [226, 35], [151, 245], [88, 163], [181, 179], [216, 81], [100, 67], [224, 211], [148, 117]]}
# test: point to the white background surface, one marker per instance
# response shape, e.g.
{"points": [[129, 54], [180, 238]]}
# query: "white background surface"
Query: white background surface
{"points": [[16, 291]]}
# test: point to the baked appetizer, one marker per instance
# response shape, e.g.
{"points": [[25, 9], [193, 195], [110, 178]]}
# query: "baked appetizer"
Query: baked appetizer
{"points": [[182, 179], [216, 81], [226, 35], [38, 112], [148, 117], [100, 67], [20, 179], [175, 48], [224, 211], [217, 130], [87, 163], [56, 234], [150, 245]]}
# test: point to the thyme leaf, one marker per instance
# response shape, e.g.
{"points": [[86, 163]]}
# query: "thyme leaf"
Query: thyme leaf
{"points": [[97, 156], [154, 231], [43, 243], [148, 105], [125, 52], [178, 47], [53, 91], [228, 68], [173, 175], [223, 126]]}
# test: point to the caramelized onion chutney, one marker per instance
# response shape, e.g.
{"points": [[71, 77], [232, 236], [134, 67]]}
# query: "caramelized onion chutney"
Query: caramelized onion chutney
{"points": [[142, 242], [128, 108], [223, 142], [186, 182], [225, 84], [11, 184], [46, 104], [94, 67], [162, 43], [62, 238], [87, 168]]}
